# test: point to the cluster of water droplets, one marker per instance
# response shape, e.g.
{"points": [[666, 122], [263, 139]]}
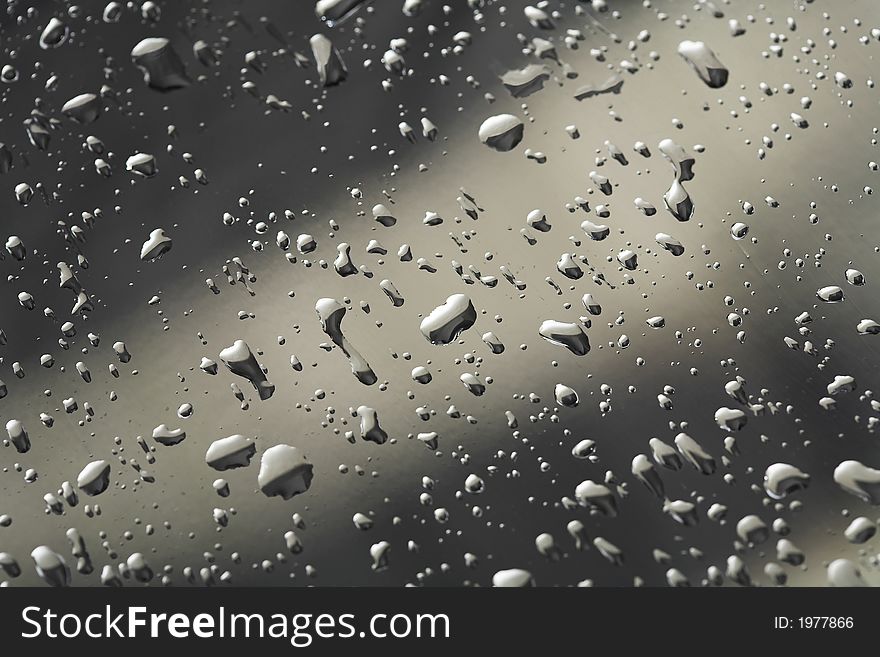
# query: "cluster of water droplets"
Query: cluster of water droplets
{"points": [[550, 382]]}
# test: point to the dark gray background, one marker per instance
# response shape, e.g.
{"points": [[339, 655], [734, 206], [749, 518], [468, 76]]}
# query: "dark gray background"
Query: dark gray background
{"points": [[267, 157]]}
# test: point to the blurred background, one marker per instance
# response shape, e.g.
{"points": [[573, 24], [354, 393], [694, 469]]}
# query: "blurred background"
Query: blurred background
{"points": [[318, 167]]}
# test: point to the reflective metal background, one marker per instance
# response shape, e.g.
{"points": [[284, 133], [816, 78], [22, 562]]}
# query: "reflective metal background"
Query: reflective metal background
{"points": [[280, 160]]}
